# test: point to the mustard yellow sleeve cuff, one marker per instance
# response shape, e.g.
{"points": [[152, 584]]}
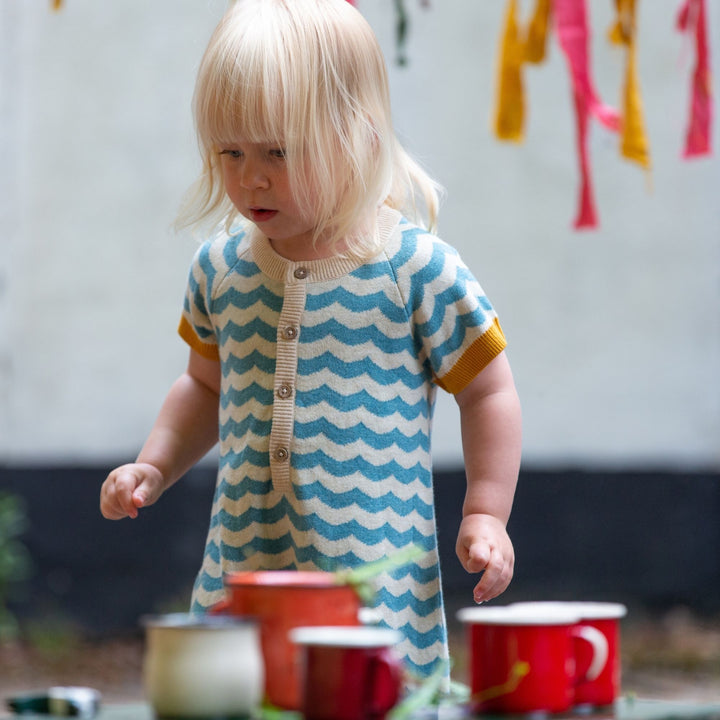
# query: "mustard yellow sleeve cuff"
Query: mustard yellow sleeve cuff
{"points": [[486, 348], [188, 334]]}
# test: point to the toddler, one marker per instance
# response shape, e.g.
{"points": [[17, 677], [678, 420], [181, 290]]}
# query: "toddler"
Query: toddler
{"points": [[321, 317]]}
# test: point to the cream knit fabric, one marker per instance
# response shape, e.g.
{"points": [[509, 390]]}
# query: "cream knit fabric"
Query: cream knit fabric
{"points": [[329, 374]]}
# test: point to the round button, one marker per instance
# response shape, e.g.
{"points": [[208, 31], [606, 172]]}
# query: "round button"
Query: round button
{"points": [[290, 332], [284, 391], [282, 454], [301, 273]]}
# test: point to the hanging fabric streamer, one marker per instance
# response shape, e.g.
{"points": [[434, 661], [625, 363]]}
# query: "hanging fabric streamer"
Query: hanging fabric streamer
{"points": [[515, 50], [402, 24], [574, 37], [57, 4], [692, 19], [401, 27], [509, 116], [537, 33], [633, 140]]}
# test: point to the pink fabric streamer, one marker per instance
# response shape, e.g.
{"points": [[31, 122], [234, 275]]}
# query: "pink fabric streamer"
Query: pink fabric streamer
{"points": [[692, 19], [574, 39]]}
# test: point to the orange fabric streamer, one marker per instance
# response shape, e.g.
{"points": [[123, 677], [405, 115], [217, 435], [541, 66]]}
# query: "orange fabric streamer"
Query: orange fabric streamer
{"points": [[515, 51], [57, 4], [633, 139], [692, 18]]}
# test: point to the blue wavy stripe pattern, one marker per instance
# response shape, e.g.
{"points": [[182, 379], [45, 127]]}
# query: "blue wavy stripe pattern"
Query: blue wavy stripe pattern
{"points": [[257, 327], [352, 337], [352, 466], [234, 397], [234, 491], [377, 301], [422, 640], [232, 459], [313, 523], [363, 400], [309, 556], [237, 300], [422, 607], [368, 348], [364, 367], [249, 424], [348, 498], [254, 360]]}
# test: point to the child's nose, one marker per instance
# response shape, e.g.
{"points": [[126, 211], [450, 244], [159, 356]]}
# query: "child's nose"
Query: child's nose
{"points": [[252, 175]]}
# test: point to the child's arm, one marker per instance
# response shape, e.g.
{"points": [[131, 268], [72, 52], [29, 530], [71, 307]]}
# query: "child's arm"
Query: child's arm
{"points": [[491, 435], [186, 428]]}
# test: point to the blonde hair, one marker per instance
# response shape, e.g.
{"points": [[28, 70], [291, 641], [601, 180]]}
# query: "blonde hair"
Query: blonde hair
{"points": [[308, 74]]}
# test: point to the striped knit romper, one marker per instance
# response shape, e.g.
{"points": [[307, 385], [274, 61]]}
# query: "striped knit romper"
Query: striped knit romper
{"points": [[329, 374]]}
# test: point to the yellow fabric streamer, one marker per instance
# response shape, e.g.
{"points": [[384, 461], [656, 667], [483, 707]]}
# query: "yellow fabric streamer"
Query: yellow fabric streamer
{"points": [[536, 40], [57, 4], [515, 50], [633, 140], [510, 108]]}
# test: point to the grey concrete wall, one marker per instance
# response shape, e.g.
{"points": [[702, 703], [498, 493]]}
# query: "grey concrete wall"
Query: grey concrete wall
{"points": [[614, 334]]}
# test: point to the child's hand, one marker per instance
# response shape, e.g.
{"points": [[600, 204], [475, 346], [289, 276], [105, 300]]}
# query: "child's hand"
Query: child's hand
{"points": [[129, 488], [484, 545]]}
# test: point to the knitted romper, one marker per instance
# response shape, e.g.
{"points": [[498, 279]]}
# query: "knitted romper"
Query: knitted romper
{"points": [[329, 374]]}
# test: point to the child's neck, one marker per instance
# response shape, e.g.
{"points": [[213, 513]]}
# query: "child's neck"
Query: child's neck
{"points": [[304, 251], [305, 248]]}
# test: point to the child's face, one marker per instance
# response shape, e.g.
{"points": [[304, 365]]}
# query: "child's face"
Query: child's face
{"points": [[255, 177]]}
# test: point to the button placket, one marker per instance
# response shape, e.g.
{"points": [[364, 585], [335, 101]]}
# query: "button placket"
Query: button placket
{"points": [[285, 380]]}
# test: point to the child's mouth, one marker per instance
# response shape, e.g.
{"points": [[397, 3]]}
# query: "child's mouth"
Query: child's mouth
{"points": [[259, 215]]}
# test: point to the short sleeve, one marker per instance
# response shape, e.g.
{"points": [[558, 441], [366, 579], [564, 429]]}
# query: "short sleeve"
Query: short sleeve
{"points": [[454, 321], [196, 324]]}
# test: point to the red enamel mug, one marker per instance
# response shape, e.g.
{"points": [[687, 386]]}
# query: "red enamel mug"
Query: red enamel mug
{"points": [[522, 659], [600, 682], [349, 673]]}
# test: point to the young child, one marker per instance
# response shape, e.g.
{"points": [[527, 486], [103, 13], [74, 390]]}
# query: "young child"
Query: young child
{"points": [[320, 329]]}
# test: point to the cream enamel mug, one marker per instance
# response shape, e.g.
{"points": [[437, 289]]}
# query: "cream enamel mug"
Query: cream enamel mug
{"points": [[199, 666]]}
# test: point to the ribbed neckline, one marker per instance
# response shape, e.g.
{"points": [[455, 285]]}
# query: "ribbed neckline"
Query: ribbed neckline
{"points": [[287, 271]]}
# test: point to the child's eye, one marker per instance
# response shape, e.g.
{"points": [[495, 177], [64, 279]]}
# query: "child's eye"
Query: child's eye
{"points": [[232, 153], [278, 153]]}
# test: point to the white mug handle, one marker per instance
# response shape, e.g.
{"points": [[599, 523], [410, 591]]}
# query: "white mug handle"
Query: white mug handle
{"points": [[600, 649]]}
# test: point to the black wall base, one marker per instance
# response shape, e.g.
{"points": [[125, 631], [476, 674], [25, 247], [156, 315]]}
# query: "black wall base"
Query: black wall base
{"points": [[650, 540]]}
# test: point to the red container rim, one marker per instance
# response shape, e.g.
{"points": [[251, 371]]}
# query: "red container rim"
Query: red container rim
{"points": [[281, 578]]}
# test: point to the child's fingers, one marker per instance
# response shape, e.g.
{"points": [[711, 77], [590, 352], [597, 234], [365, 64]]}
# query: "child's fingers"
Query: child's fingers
{"points": [[478, 556], [139, 497], [129, 488], [496, 577], [113, 508], [126, 483], [150, 489], [116, 495]]}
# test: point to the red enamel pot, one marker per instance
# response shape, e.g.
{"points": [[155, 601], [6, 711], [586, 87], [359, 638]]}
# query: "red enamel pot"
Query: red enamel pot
{"points": [[282, 600]]}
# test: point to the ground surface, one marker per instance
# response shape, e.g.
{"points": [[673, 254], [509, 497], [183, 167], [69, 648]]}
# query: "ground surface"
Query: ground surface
{"points": [[674, 657]]}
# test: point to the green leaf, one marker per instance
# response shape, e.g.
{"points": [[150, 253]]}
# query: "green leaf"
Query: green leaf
{"points": [[368, 571], [423, 697]]}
